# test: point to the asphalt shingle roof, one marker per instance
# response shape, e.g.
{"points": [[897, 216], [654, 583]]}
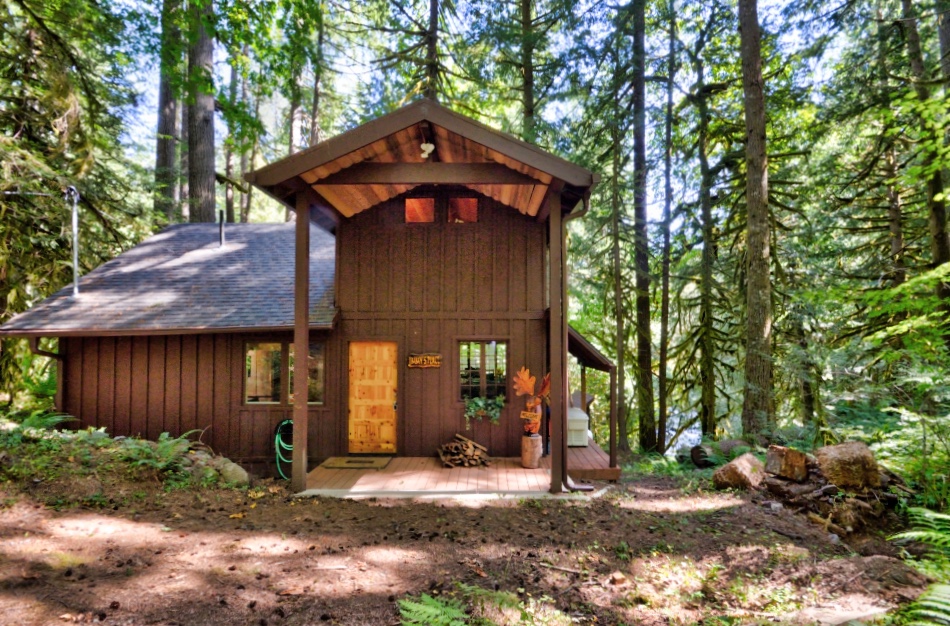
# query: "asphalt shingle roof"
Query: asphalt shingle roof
{"points": [[180, 279]]}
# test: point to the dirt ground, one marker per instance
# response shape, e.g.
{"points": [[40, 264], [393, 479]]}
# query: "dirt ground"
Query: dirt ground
{"points": [[649, 551]]}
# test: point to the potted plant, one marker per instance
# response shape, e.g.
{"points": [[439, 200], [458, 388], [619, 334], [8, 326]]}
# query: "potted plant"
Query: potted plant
{"points": [[479, 408], [531, 416]]}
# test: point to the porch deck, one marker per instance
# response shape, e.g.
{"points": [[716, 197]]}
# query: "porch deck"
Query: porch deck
{"points": [[425, 476]]}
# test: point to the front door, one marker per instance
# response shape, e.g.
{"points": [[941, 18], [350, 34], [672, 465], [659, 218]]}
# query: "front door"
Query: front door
{"points": [[372, 400]]}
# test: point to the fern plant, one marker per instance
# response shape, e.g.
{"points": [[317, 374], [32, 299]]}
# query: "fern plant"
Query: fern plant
{"points": [[429, 611], [933, 607]]}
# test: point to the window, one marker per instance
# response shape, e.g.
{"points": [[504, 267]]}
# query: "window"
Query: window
{"points": [[463, 210], [420, 210], [483, 368], [315, 375], [262, 372], [265, 364]]}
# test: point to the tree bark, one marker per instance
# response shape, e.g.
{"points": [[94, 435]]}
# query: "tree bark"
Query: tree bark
{"points": [[662, 418], [166, 149], [932, 142], [527, 69], [645, 407], [757, 407], [432, 49], [201, 115]]}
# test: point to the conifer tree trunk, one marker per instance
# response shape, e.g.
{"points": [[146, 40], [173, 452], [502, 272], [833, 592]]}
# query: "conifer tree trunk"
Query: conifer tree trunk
{"points": [[707, 372], [895, 218], [619, 313], [647, 418], [229, 152], [527, 69], [432, 49], [662, 418], [201, 115], [166, 150], [184, 210], [317, 87], [244, 200], [757, 407], [936, 205]]}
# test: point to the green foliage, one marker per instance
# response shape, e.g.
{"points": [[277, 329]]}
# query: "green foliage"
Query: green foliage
{"points": [[429, 611], [479, 408], [163, 456], [933, 529]]}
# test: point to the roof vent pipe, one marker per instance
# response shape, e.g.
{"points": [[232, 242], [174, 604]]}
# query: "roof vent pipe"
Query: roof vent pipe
{"points": [[220, 229], [73, 196]]}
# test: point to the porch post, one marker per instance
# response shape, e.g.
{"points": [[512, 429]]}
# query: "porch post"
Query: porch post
{"points": [[301, 341], [556, 341], [584, 406]]}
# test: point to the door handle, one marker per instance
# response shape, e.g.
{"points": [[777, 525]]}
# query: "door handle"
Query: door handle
{"points": [[394, 405]]}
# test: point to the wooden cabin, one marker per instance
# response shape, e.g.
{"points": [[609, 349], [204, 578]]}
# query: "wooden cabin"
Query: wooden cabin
{"points": [[430, 267]]}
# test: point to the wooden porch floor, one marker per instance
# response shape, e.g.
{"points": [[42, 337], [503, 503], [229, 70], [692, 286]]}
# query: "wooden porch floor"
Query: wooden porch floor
{"points": [[426, 476]]}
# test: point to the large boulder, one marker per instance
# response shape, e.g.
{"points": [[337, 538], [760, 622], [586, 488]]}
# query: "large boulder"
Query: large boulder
{"points": [[745, 472], [231, 472], [849, 465], [787, 463]]}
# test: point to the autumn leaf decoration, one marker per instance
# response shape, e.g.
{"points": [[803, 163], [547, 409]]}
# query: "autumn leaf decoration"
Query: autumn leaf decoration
{"points": [[524, 383]]}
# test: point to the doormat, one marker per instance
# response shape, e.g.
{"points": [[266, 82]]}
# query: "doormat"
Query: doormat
{"points": [[356, 462]]}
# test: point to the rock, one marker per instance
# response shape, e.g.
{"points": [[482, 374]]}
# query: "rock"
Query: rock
{"points": [[726, 446], [849, 465], [700, 456], [787, 463], [231, 472], [617, 578], [746, 472], [787, 489]]}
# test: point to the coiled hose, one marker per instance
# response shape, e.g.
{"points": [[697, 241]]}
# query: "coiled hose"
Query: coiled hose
{"points": [[284, 444]]}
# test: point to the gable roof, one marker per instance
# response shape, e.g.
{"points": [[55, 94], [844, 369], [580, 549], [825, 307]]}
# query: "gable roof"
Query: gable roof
{"points": [[180, 281], [507, 169]]}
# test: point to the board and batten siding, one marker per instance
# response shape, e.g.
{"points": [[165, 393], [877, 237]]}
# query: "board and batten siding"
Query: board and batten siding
{"points": [[429, 286], [148, 385]]}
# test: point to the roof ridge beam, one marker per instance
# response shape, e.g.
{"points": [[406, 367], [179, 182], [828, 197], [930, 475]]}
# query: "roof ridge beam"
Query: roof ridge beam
{"points": [[371, 173]]}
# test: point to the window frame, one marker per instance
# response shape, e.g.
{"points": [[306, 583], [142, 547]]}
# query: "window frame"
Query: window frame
{"points": [[482, 341], [285, 374]]}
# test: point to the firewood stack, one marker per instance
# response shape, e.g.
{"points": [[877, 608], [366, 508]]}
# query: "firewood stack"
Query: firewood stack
{"points": [[463, 452]]}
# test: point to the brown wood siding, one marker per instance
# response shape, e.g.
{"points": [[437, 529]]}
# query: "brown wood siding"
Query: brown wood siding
{"points": [[149, 385], [430, 286]]}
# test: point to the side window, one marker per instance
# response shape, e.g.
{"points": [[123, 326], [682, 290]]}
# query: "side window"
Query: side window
{"points": [[483, 369], [420, 210], [262, 363]]}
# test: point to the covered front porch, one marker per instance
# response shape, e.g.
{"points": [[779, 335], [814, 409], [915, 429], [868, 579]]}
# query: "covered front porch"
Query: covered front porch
{"points": [[426, 477]]}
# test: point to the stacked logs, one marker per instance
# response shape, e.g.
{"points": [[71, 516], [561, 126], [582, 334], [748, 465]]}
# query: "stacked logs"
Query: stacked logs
{"points": [[463, 452]]}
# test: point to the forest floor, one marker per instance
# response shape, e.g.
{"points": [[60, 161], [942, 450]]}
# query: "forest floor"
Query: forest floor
{"points": [[651, 550]]}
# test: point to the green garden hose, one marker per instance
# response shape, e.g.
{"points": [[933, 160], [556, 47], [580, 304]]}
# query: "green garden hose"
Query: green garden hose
{"points": [[284, 443]]}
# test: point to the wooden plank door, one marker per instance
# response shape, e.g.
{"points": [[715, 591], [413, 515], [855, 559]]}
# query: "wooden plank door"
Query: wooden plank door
{"points": [[372, 398]]}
